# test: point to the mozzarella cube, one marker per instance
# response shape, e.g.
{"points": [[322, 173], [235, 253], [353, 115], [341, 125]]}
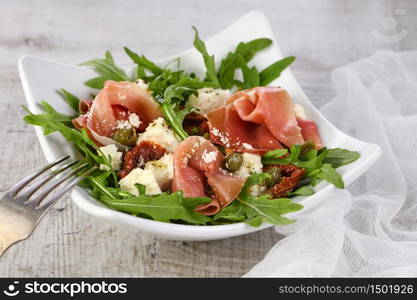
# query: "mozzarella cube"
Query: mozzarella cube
{"points": [[123, 124], [163, 170], [251, 164], [134, 120], [144, 177], [208, 99], [159, 133], [114, 156]]}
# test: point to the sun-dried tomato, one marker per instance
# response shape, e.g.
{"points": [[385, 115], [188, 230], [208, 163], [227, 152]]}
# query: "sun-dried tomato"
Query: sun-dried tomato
{"points": [[291, 175], [142, 153], [195, 124]]}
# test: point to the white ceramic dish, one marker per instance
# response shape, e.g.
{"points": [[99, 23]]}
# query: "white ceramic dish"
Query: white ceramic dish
{"points": [[40, 79]]}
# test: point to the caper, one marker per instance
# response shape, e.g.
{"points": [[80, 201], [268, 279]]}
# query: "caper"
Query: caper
{"points": [[194, 130], [275, 173], [306, 148], [233, 161], [125, 136]]}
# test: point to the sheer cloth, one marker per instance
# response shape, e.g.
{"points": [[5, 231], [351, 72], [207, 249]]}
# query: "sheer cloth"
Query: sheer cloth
{"points": [[370, 229]]}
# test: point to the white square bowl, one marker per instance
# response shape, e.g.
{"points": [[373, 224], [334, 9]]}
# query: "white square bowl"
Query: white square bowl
{"points": [[41, 78]]}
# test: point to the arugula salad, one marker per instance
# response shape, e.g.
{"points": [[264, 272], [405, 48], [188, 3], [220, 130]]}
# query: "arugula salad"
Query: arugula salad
{"points": [[173, 147]]}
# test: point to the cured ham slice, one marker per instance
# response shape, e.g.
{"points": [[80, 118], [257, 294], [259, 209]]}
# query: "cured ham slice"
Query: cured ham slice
{"points": [[310, 131], [80, 121], [261, 119], [196, 162], [85, 106], [271, 107], [101, 116], [229, 130], [226, 188], [114, 103], [99, 140]]}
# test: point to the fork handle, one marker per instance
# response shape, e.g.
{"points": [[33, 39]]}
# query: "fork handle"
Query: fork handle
{"points": [[4, 245], [13, 230], [7, 241]]}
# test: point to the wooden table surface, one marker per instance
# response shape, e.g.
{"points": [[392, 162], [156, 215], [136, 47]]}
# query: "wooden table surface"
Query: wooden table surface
{"points": [[322, 34]]}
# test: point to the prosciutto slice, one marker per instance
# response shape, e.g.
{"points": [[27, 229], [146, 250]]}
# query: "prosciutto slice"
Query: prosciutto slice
{"points": [[261, 119], [99, 140], [310, 131], [101, 116], [197, 162], [85, 106], [229, 130], [80, 121]]}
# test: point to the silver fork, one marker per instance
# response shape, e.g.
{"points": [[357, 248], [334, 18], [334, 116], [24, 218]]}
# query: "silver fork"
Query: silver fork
{"points": [[21, 211]]}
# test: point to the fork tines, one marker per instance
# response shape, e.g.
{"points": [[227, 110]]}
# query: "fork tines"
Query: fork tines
{"points": [[32, 192]]}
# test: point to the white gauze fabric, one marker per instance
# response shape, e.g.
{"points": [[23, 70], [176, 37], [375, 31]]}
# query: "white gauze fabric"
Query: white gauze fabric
{"points": [[370, 229]]}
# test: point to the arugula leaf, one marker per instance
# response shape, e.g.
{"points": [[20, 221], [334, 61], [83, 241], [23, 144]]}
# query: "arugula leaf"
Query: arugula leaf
{"points": [[303, 191], [70, 99], [163, 207], [319, 164], [193, 82], [250, 75], [230, 63], [161, 82], [234, 212], [143, 63], [273, 157], [49, 114], [141, 188], [107, 70], [257, 209], [275, 153], [338, 157], [140, 73], [96, 82], [208, 60], [52, 121], [98, 184], [330, 174], [178, 78], [269, 210], [173, 97], [227, 71], [249, 49], [255, 221], [46, 107], [272, 72]]}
